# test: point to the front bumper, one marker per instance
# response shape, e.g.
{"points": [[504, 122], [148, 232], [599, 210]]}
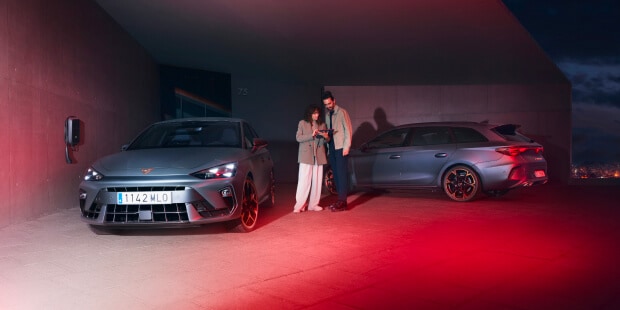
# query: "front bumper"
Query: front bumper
{"points": [[189, 206]]}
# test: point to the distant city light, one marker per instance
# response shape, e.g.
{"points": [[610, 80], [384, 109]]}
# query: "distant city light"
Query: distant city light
{"points": [[595, 171]]}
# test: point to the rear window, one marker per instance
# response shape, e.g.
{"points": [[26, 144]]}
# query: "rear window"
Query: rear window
{"points": [[467, 135], [509, 132]]}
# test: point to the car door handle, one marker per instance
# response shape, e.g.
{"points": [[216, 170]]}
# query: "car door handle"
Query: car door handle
{"points": [[441, 155], [394, 157]]}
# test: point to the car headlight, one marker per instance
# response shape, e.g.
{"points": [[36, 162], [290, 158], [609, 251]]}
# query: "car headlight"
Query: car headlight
{"points": [[92, 175], [219, 172]]}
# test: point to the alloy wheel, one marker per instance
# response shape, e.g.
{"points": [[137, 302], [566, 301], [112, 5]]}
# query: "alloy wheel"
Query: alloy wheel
{"points": [[329, 182], [461, 183], [249, 209]]}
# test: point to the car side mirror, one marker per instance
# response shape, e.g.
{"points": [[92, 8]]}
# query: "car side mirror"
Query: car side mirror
{"points": [[258, 144]]}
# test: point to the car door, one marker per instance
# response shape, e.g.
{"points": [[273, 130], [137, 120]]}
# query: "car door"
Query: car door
{"points": [[260, 161], [430, 148], [378, 162]]}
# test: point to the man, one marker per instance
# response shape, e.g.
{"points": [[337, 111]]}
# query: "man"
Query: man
{"points": [[338, 148]]}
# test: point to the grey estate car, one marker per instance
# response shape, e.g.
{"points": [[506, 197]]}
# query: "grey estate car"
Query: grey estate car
{"points": [[462, 158], [181, 172]]}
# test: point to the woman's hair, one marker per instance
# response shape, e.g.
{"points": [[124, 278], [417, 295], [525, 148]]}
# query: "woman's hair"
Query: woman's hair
{"points": [[310, 110]]}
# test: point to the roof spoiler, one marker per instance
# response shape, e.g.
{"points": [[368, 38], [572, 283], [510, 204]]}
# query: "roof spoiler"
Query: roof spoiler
{"points": [[508, 129]]}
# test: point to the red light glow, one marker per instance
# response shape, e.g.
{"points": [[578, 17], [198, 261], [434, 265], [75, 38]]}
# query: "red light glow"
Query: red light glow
{"points": [[517, 150], [517, 173]]}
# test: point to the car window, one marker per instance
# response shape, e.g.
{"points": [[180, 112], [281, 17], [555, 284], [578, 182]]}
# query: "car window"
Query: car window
{"points": [[249, 135], [188, 134], [430, 136], [185, 137], [229, 137], [393, 138], [467, 135]]}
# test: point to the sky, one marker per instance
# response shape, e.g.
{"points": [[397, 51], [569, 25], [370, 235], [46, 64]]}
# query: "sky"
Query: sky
{"points": [[583, 39]]}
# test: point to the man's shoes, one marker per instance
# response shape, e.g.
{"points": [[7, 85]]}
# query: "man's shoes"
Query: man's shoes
{"points": [[338, 206], [315, 208]]}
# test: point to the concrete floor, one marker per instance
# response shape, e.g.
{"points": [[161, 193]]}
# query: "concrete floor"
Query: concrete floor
{"points": [[549, 247]]}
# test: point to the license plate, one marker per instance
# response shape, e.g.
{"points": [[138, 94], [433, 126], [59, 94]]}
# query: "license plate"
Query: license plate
{"points": [[143, 198], [539, 173]]}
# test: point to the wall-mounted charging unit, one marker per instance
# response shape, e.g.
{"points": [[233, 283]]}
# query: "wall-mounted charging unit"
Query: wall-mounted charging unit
{"points": [[72, 136]]}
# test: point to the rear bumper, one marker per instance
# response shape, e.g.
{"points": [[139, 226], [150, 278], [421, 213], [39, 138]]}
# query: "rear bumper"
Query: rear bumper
{"points": [[514, 176]]}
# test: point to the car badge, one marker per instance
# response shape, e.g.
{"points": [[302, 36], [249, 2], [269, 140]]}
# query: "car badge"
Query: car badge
{"points": [[146, 170]]}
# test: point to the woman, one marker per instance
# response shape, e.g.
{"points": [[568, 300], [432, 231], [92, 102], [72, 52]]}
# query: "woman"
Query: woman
{"points": [[312, 136]]}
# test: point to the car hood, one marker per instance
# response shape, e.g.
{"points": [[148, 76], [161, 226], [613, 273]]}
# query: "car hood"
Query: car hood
{"points": [[166, 161]]}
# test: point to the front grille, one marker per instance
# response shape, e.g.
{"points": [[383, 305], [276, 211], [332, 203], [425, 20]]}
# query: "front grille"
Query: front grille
{"points": [[92, 212], [166, 213], [169, 213], [153, 213]]}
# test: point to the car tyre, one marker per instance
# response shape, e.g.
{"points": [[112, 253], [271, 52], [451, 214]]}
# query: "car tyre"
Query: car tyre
{"points": [[271, 201], [249, 209], [461, 183]]}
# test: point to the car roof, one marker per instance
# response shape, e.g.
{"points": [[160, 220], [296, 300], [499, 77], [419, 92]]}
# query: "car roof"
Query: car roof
{"points": [[451, 124], [203, 119]]}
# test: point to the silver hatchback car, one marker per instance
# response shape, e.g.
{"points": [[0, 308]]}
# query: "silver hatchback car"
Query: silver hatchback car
{"points": [[181, 172], [462, 158]]}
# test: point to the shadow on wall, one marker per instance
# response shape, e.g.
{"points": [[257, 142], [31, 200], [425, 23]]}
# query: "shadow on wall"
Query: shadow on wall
{"points": [[366, 131], [284, 153]]}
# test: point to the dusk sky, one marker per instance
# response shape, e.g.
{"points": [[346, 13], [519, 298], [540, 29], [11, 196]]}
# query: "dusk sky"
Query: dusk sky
{"points": [[583, 39]]}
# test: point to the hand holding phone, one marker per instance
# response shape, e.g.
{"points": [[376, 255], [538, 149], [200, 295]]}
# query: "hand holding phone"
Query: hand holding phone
{"points": [[322, 133]]}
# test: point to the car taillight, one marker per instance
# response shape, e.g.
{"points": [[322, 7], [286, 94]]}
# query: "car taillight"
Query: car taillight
{"points": [[517, 150]]}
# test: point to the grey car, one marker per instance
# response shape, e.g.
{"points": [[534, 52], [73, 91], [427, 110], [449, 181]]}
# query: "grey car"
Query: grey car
{"points": [[462, 158], [181, 172]]}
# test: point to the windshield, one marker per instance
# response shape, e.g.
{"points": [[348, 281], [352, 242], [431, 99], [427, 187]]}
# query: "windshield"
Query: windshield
{"points": [[189, 134]]}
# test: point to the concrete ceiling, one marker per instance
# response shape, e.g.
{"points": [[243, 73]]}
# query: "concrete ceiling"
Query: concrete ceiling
{"points": [[343, 42]]}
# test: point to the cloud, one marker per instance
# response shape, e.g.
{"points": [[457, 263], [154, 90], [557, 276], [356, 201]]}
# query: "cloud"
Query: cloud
{"points": [[595, 133], [593, 83], [591, 145], [605, 119], [581, 37]]}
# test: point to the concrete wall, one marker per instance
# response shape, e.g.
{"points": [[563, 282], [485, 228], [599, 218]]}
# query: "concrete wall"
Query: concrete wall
{"points": [[69, 57], [62, 58], [543, 111], [274, 106]]}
